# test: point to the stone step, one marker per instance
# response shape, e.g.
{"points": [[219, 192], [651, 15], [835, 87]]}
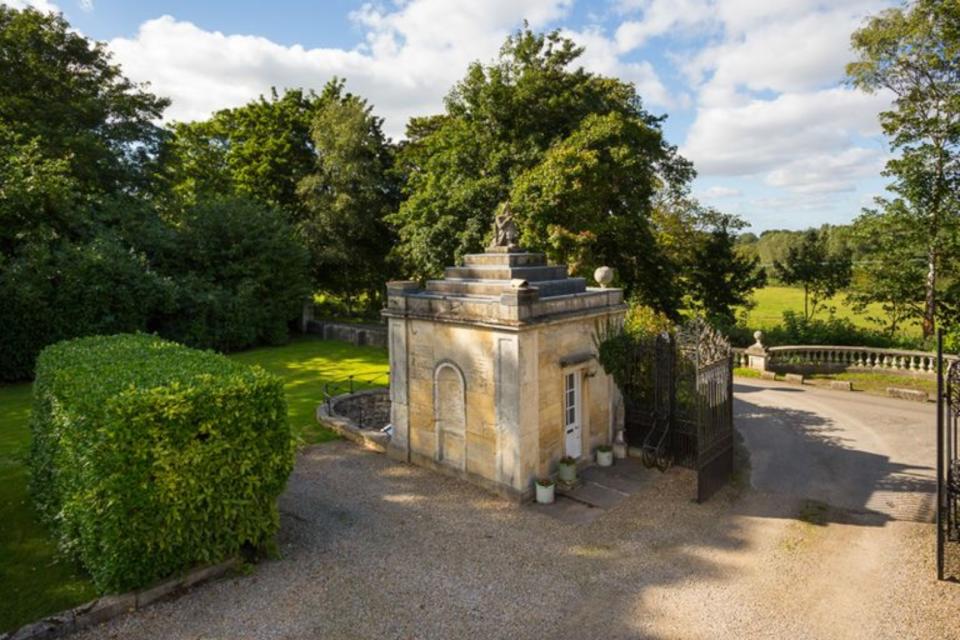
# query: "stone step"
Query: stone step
{"points": [[505, 259], [499, 272], [546, 288]]}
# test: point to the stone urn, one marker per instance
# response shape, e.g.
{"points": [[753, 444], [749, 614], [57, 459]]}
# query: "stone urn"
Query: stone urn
{"points": [[567, 470], [605, 455], [545, 490]]}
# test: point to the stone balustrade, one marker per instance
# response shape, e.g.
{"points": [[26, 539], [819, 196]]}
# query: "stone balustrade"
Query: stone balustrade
{"points": [[739, 356], [826, 359]]}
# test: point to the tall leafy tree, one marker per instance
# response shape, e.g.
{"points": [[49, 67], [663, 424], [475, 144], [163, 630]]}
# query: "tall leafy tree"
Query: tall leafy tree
{"points": [[812, 266], [893, 264], [533, 128], [37, 194], [61, 91], [261, 150], [346, 196], [700, 246], [913, 53], [588, 203]]}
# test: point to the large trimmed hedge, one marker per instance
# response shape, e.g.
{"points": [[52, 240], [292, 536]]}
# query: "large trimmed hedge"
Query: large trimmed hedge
{"points": [[149, 457]]}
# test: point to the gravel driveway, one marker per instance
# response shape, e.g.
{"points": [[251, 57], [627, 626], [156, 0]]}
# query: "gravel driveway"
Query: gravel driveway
{"points": [[375, 549]]}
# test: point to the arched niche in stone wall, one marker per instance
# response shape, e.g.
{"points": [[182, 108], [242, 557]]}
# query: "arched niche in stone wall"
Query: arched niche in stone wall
{"points": [[450, 414]]}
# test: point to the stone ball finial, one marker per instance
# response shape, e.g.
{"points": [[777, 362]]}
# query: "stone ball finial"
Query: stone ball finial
{"points": [[603, 276], [758, 336]]}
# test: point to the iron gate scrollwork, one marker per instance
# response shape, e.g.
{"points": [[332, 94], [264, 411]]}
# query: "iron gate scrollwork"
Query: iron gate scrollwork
{"points": [[948, 462], [678, 396]]}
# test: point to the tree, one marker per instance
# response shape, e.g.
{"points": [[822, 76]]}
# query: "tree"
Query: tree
{"points": [[527, 129], [37, 194], [584, 205], [719, 278], [893, 263], [347, 195], [914, 53], [820, 273], [239, 275], [60, 91], [701, 245], [261, 150]]}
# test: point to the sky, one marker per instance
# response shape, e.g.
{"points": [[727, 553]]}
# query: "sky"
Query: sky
{"points": [[753, 90]]}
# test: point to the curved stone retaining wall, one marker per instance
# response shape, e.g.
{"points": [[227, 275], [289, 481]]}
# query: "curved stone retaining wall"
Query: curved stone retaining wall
{"points": [[359, 417]]}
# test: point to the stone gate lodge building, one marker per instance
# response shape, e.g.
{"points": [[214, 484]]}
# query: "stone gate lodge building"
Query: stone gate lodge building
{"points": [[493, 370]]}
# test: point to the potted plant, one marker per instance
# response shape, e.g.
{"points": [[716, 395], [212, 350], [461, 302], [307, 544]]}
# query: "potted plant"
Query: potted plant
{"points": [[545, 490], [605, 455], [568, 470]]}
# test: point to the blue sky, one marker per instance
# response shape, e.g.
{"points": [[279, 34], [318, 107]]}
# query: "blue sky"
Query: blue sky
{"points": [[753, 88]]}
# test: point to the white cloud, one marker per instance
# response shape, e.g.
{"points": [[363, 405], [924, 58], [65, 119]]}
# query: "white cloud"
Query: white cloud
{"points": [[408, 59], [762, 135], [659, 17], [828, 173], [769, 98], [601, 55], [721, 192], [86, 5], [801, 54], [40, 5]]}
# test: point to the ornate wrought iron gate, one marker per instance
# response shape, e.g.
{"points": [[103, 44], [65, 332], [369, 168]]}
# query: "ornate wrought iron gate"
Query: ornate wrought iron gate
{"points": [[678, 396], [948, 462]]}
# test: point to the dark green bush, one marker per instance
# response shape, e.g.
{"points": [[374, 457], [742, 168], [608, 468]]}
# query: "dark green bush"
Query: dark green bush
{"points": [[149, 458], [62, 289], [797, 330], [227, 275], [241, 276]]}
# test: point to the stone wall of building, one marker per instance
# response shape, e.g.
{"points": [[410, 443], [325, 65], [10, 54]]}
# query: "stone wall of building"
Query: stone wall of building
{"points": [[477, 365], [563, 348], [450, 391]]}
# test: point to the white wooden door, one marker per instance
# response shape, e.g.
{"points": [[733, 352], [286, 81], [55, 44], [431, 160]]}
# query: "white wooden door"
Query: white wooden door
{"points": [[571, 414]]}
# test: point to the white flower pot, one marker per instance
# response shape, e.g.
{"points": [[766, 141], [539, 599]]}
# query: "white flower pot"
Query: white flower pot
{"points": [[605, 458], [567, 472], [545, 495]]}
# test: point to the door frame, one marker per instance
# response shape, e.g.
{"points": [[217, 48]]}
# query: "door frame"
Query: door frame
{"points": [[578, 372]]}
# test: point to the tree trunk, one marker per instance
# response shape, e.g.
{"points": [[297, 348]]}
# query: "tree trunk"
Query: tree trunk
{"points": [[930, 300]]}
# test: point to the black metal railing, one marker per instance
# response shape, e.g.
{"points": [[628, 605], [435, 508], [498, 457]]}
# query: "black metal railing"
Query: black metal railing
{"points": [[948, 464], [678, 396], [352, 384]]}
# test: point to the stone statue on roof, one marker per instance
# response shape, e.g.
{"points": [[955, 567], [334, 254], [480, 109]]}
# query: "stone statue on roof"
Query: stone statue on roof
{"points": [[505, 232]]}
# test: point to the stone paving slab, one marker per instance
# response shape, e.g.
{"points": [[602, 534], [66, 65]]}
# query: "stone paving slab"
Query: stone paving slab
{"points": [[598, 489]]}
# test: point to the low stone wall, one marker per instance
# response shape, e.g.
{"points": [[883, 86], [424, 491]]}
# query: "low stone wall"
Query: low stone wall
{"points": [[374, 335], [359, 417], [111, 606]]}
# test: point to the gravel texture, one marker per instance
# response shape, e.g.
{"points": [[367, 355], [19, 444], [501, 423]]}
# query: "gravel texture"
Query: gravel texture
{"points": [[375, 549]]}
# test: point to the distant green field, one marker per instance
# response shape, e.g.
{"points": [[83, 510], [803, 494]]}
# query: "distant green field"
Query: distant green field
{"points": [[771, 302]]}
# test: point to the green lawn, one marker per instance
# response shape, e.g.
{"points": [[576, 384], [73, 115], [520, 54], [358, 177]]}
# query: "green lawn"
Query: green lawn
{"points": [[305, 365], [33, 582], [865, 381], [771, 302]]}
